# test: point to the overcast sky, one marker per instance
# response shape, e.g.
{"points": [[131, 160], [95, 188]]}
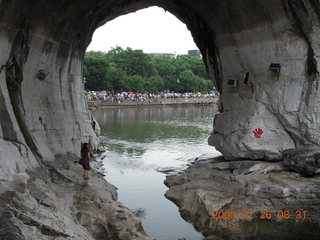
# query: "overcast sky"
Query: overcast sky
{"points": [[153, 30]]}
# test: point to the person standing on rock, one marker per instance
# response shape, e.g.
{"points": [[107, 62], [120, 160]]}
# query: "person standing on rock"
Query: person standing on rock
{"points": [[86, 158]]}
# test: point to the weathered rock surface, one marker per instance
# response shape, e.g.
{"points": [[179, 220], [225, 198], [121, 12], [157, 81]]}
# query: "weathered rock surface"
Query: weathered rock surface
{"points": [[306, 162], [42, 107], [41, 92], [54, 202], [219, 185], [249, 36]]}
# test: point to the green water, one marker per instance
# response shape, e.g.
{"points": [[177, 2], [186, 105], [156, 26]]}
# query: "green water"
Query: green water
{"points": [[141, 141]]}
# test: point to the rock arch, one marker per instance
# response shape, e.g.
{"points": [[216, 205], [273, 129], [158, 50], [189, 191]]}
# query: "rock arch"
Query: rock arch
{"points": [[42, 45]]}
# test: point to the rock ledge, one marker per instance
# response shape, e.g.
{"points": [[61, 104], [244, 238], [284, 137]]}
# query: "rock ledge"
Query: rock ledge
{"points": [[242, 186], [55, 203]]}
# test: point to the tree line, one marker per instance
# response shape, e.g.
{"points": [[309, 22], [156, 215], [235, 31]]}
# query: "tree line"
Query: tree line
{"points": [[133, 70]]}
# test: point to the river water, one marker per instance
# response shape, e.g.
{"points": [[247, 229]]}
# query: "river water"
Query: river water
{"points": [[141, 141]]}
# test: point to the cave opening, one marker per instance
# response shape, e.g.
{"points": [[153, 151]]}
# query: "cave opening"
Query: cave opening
{"points": [[135, 45], [152, 29], [269, 116], [137, 39], [142, 144]]}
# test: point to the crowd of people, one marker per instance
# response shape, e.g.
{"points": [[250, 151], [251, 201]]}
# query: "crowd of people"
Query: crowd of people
{"points": [[145, 96]]}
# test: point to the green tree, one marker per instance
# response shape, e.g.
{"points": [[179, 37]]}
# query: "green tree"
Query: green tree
{"points": [[95, 70], [116, 78], [133, 62], [167, 71], [128, 69], [154, 84], [196, 65], [187, 81], [135, 83]]}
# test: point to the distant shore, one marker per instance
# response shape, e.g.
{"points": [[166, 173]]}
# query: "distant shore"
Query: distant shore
{"points": [[161, 102]]}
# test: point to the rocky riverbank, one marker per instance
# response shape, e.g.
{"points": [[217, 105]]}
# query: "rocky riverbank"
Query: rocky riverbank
{"points": [[54, 202], [267, 189]]}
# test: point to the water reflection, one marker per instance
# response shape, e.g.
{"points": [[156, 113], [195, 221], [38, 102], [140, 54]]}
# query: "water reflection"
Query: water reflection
{"points": [[149, 124], [138, 142], [124, 148]]}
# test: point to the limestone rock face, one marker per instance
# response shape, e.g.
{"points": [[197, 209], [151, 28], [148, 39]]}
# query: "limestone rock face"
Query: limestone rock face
{"points": [[42, 107], [283, 104], [233, 134], [246, 187], [41, 90], [54, 202]]}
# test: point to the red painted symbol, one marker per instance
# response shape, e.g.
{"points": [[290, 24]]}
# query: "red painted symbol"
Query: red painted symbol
{"points": [[258, 132]]}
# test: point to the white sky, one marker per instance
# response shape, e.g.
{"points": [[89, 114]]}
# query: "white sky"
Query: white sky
{"points": [[153, 30]]}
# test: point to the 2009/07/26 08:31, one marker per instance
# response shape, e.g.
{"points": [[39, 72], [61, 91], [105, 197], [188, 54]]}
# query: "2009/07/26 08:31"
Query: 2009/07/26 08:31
{"points": [[248, 215]]}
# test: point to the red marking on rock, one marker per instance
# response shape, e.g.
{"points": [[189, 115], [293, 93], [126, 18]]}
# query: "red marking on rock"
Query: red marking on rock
{"points": [[258, 132]]}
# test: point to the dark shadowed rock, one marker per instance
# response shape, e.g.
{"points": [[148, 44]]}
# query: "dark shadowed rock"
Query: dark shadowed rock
{"points": [[304, 161], [8, 230]]}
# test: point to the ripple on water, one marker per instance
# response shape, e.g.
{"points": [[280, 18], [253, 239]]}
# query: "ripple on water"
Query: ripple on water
{"points": [[139, 143]]}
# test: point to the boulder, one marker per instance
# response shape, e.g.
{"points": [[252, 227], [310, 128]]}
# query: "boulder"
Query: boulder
{"points": [[258, 192]]}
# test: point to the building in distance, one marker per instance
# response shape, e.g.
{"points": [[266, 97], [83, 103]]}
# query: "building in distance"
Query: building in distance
{"points": [[195, 53]]}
